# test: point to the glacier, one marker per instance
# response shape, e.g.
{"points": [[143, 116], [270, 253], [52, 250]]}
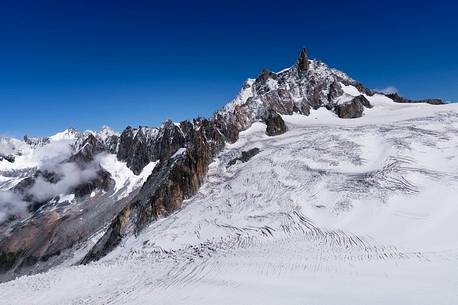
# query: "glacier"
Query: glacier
{"points": [[333, 211]]}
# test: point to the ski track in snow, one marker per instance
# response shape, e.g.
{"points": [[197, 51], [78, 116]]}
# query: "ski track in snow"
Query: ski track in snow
{"points": [[334, 211]]}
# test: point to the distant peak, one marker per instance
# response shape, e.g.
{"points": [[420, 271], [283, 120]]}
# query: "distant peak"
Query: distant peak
{"points": [[107, 130], [67, 134]]}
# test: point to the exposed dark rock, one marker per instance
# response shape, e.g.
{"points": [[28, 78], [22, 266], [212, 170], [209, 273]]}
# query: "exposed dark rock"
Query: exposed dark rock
{"points": [[102, 181], [265, 75], [36, 141], [172, 181], [314, 99], [89, 148], [302, 108], [9, 158], [229, 128], [246, 155], [353, 108], [275, 124], [7, 260], [363, 100], [140, 146], [399, 99], [302, 62], [109, 139]]}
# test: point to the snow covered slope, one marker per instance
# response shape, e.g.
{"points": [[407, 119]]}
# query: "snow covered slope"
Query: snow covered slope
{"points": [[333, 211]]}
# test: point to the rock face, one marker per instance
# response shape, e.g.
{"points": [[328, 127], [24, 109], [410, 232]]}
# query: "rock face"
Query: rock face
{"points": [[90, 147], [275, 124], [303, 61], [33, 141], [399, 99], [172, 181], [246, 155], [140, 146], [353, 108], [9, 158]]}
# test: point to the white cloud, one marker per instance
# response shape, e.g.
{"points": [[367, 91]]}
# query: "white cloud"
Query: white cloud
{"points": [[11, 204], [70, 175], [387, 90]]}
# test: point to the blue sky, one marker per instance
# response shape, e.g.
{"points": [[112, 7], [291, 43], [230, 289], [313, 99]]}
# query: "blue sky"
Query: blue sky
{"points": [[83, 64]]}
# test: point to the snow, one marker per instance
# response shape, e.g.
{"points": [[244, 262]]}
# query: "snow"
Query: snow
{"points": [[125, 180], [242, 97], [334, 211], [67, 134], [272, 84], [284, 70], [344, 98], [55, 151], [69, 198], [106, 132], [179, 152]]}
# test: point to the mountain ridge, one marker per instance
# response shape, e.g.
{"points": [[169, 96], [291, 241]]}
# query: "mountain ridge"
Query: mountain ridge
{"points": [[180, 154]]}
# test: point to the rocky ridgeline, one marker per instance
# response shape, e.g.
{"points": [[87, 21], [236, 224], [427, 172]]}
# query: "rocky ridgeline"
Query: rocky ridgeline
{"points": [[306, 85], [184, 152], [399, 99]]}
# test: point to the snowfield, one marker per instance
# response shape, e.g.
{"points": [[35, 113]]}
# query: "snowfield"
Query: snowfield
{"points": [[334, 211]]}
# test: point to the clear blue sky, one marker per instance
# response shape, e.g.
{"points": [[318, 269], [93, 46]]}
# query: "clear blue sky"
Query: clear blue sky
{"points": [[83, 64]]}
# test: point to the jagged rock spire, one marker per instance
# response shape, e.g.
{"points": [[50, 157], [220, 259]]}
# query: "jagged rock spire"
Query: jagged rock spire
{"points": [[264, 75], [302, 62]]}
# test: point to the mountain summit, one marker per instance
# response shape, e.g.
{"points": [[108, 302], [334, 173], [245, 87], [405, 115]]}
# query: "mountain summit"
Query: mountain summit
{"points": [[303, 61]]}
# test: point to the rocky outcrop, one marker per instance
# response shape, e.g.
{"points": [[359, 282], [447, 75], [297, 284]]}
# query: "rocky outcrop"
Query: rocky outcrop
{"points": [[399, 99], [140, 146], [36, 141], [353, 108], [246, 155], [102, 181], [90, 147], [173, 180], [302, 61], [275, 124], [9, 158]]}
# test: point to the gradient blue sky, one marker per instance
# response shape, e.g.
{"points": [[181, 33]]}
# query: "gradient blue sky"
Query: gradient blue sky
{"points": [[83, 64]]}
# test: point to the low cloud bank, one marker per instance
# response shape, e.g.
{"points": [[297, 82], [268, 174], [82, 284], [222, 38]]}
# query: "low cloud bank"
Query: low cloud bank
{"points": [[11, 204], [70, 175], [50, 159]]}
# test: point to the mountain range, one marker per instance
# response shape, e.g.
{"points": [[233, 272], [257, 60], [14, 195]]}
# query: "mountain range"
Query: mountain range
{"points": [[305, 172]]}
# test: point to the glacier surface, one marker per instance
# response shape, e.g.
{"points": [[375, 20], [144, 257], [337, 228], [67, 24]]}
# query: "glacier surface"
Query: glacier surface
{"points": [[334, 211]]}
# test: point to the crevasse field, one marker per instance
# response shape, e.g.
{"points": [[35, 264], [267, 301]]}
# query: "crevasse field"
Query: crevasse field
{"points": [[334, 211]]}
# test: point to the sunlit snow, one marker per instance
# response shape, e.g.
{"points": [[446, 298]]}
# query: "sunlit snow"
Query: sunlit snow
{"points": [[334, 211]]}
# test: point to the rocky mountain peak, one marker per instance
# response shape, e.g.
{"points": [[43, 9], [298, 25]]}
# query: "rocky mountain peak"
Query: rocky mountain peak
{"points": [[178, 156], [36, 141], [302, 62]]}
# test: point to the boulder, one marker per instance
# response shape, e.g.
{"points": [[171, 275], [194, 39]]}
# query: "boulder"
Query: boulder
{"points": [[275, 124], [246, 155], [353, 108]]}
